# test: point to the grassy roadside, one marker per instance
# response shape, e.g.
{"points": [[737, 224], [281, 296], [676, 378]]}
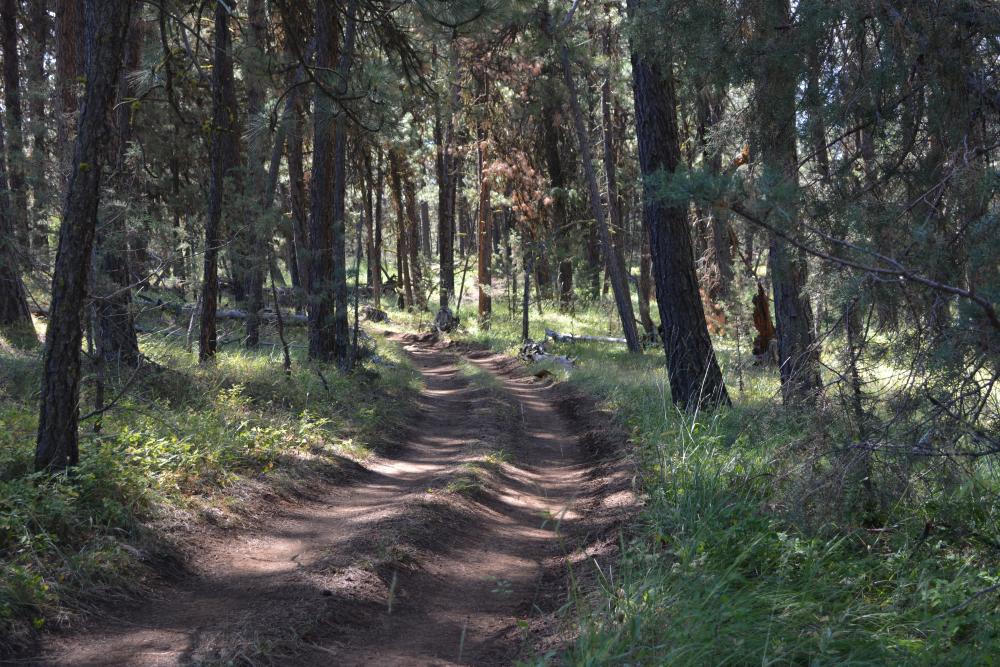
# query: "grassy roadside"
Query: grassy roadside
{"points": [[185, 446], [749, 550]]}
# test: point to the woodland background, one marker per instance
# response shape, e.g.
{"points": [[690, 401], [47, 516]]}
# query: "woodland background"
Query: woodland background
{"points": [[786, 212]]}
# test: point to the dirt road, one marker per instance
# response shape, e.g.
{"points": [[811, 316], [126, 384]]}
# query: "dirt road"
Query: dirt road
{"points": [[452, 548]]}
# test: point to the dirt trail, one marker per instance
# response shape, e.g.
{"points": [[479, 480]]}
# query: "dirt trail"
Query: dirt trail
{"points": [[435, 554]]}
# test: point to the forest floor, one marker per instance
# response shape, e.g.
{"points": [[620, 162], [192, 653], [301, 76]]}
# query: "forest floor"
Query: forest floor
{"points": [[457, 545]]}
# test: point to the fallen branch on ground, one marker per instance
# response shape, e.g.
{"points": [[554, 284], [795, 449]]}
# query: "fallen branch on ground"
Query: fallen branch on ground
{"points": [[267, 315], [574, 338]]}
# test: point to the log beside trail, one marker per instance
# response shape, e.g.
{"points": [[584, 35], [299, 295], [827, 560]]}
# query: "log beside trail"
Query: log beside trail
{"points": [[575, 338], [269, 316], [265, 315]]}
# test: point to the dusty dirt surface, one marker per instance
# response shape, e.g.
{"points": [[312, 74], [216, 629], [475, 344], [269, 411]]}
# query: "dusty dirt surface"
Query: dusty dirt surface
{"points": [[452, 548]]}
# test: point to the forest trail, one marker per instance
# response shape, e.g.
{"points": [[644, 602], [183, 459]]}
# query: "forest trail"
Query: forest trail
{"points": [[396, 567]]}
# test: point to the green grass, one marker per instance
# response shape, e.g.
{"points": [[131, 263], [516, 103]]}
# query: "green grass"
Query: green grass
{"points": [[750, 549], [185, 444], [724, 570]]}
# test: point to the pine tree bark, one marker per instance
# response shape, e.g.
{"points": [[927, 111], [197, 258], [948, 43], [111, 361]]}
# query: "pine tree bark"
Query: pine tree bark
{"points": [[69, 67], [443, 162], [446, 165], [402, 227], [616, 273], [425, 230], [341, 329], [119, 345], [321, 298], [468, 227], [39, 92], [105, 24], [695, 377], [413, 238], [13, 301], [557, 181], [298, 197], [616, 219], [224, 147], [14, 119], [368, 197], [377, 233], [775, 87], [255, 75], [646, 286], [709, 108], [484, 225]]}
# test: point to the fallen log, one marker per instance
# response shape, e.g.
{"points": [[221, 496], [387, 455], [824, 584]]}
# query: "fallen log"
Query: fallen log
{"points": [[574, 338], [176, 332], [267, 315]]}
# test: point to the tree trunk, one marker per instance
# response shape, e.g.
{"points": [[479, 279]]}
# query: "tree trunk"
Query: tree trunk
{"points": [[224, 149], [403, 261], [695, 378], [484, 226], [646, 286], [402, 227], [39, 92], [320, 287], [14, 118], [297, 194], [368, 197], [775, 83], [69, 67], [377, 234], [557, 180], [255, 245], [443, 161], [13, 302], [341, 329], [446, 164], [425, 230], [616, 219], [413, 238], [720, 277], [105, 24], [616, 272], [118, 345], [526, 296]]}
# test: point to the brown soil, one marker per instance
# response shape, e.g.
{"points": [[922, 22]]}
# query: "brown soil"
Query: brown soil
{"points": [[429, 556]]}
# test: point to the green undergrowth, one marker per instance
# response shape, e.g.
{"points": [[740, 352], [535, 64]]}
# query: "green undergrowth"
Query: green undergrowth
{"points": [[749, 550], [724, 569], [183, 444]]}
